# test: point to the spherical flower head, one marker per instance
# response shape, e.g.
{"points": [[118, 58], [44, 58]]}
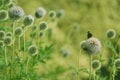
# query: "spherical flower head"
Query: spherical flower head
{"points": [[8, 34], [40, 12], [96, 64], [3, 15], [43, 25], [11, 4], [32, 50], [52, 14], [91, 45], [1, 43], [41, 34], [18, 32], [117, 63], [111, 33], [34, 27], [16, 12], [8, 41], [2, 34], [28, 20], [60, 13]]}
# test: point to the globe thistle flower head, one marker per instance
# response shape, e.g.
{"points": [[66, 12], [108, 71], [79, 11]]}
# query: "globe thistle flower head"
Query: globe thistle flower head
{"points": [[43, 26], [3, 15], [117, 63], [96, 64], [40, 12], [16, 13], [34, 27], [8, 34], [111, 33], [11, 4], [2, 34], [41, 34], [28, 20], [32, 50], [1, 43], [18, 32], [91, 45], [8, 41], [60, 13], [52, 14]]}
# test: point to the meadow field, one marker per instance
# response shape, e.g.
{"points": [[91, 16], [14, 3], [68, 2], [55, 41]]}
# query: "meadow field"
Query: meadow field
{"points": [[59, 40]]}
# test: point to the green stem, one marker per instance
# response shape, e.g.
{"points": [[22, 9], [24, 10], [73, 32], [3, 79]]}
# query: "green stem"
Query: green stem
{"points": [[6, 57], [27, 64], [90, 75], [114, 72], [24, 40]]}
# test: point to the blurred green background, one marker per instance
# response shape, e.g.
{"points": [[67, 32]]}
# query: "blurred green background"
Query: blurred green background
{"points": [[95, 16]]}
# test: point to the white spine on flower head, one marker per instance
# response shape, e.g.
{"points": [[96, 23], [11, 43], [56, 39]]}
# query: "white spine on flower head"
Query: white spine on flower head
{"points": [[16, 12], [40, 12], [91, 45]]}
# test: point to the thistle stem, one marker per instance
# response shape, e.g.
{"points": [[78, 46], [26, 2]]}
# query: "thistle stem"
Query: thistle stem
{"points": [[27, 64], [90, 75]]}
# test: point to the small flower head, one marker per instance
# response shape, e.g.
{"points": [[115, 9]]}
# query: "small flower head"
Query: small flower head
{"points": [[65, 52], [96, 64], [111, 33], [60, 13], [8, 34], [3, 15], [34, 27], [16, 12], [52, 14], [91, 45], [1, 43], [32, 50], [40, 12], [41, 34], [28, 20], [11, 4], [18, 32], [8, 41], [2, 34], [117, 63], [43, 25]]}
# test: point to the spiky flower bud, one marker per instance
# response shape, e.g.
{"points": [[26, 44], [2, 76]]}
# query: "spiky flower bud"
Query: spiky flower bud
{"points": [[65, 52], [96, 64], [16, 12], [34, 27], [1, 43], [117, 63], [8, 34], [91, 45], [18, 32], [111, 33], [2, 34], [8, 41], [40, 12], [28, 20], [32, 50], [11, 4], [52, 14], [43, 25], [3, 15], [60, 13]]}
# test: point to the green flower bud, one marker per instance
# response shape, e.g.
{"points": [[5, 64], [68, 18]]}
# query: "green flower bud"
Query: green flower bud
{"points": [[111, 33], [43, 25], [8, 34], [28, 20], [6, 2], [117, 63], [8, 41], [1, 43], [2, 34], [41, 34], [16, 12], [96, 64], [3, 15], [18, 32], [52, 14], [60, 13], [32, 50]]}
